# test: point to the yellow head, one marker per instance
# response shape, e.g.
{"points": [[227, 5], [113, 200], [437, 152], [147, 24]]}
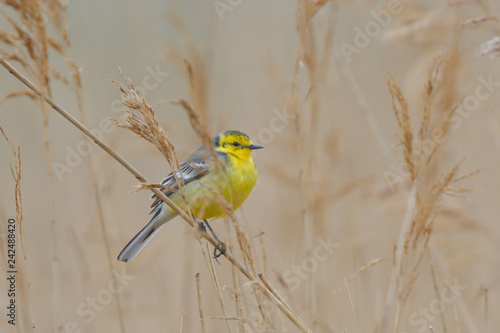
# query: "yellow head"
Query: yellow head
{"points": [[235, 143]]}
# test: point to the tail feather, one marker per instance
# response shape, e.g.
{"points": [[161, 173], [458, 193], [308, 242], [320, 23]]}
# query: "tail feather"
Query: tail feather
{"points": [[143, 237]]}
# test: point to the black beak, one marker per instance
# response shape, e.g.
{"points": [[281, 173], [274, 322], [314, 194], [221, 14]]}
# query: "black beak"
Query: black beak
{"points": [[252, 147]]}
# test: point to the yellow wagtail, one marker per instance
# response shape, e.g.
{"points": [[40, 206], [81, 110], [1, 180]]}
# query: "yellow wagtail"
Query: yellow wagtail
{"points": [[203, 179]]}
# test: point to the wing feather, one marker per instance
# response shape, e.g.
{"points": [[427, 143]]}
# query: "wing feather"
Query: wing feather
{"points": [[194, 168]]}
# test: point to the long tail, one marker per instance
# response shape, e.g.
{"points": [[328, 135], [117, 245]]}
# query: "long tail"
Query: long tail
{"points": [[144, 236]]}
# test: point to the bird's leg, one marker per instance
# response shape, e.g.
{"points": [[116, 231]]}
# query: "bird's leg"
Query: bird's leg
{"points": [[220, 247], [201, 226]]}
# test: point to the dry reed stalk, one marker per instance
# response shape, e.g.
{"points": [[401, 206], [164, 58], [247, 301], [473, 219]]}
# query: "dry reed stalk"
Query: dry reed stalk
{"points": [[63, 47], [486, 322], [237, 296], [145, 125], [196, 72], [215, 281], [141, 178], [307, 113], [187, 289], [436, 290], [490, 48], [360, 270], [200, 303], [425, 194], [459, 304], [363, 105], [280, 300], [95, 139], [183, 316], [200, 127], [421, 25], [478, 20], [400, 107], [29, 46], [237, 291], [429, 96], [264, 255], [196, 68], [356, 328], [313, 59], [16, 175], [23, 277], [246, 249], [274, 291], [241, 320], [457, 317]]}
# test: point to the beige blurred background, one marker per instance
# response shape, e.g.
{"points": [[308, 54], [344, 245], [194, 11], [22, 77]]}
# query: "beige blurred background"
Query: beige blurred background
{"points": [[247, 54]]}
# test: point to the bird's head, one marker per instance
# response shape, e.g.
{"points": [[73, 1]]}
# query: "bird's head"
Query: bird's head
{"points": [[235, 143]]}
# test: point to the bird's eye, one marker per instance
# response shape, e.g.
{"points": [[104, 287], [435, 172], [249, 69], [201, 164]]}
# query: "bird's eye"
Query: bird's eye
{"points": [[236, 144]]}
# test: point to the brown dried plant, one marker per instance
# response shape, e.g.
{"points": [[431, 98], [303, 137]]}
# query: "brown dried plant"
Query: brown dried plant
{"points": [[427, 189], [16, 175], [490, 48], [308, 97], [21, 266], [30, 45], [400, 107], [145, 124], [195, 66]]}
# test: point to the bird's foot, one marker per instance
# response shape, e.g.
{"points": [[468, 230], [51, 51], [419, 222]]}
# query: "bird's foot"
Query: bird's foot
{"points": [[221, 249]]}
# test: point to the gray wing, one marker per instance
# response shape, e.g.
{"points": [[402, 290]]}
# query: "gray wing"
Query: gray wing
{"points": [[192, 169]]}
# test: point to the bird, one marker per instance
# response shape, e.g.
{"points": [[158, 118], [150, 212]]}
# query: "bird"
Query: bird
{"points": [[204, 181]]}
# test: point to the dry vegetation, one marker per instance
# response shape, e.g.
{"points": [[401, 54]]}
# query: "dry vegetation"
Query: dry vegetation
{"points": [[355, 234]]}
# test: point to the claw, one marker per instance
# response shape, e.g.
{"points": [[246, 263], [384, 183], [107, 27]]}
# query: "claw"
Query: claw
{"points": [[221, 247]]}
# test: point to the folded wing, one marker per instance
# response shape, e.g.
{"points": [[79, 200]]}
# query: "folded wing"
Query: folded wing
{"points": [[194, 168]]}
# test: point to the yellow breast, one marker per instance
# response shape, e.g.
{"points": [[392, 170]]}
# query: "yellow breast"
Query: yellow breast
{"points": [[234, 183], [243, 177]]}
